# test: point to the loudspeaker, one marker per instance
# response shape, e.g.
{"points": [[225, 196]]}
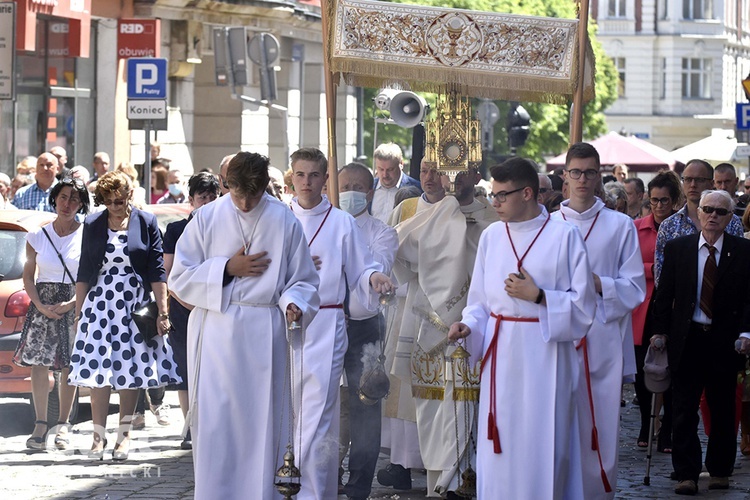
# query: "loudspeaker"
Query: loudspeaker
{"points": [[221, 65], [407, 109]]}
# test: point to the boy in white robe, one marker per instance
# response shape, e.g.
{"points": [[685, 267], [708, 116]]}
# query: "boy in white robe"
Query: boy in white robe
{"points": [[614, 253], [525, 333], [237, 339], [342, 258]]}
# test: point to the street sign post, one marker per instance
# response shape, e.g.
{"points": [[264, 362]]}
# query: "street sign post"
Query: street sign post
{"points": [[743, 116], [7, 50], [147, 100]]}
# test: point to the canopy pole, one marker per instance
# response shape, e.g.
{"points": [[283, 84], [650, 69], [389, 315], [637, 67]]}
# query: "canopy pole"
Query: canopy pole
{"points": [[576, 120], [330, 89]]}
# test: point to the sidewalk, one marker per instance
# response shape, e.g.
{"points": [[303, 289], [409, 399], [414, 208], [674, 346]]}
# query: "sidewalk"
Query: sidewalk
{"points": [[158, 469]]}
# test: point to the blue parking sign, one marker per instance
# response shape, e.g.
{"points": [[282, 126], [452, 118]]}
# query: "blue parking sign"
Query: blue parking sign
{"points": [[147, 78], [743, 116]]}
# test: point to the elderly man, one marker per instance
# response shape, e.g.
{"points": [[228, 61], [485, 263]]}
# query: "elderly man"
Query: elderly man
{"points": [[634, 188], [701, 307], [388, 164], [223, 186], [36, 196], [545, 189]]}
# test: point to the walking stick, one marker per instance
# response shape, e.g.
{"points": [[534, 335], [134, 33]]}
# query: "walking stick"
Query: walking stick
{"points": [[647, 478]]}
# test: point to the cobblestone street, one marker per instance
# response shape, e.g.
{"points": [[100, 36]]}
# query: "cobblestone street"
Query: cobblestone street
{"points": [[158, 469]]}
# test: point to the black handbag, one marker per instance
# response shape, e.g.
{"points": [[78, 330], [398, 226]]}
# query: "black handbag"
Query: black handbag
{"points": [[145, 319]]}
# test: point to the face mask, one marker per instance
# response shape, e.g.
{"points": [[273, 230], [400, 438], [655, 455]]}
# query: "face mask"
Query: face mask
{"points": [[175, 189], [353, 202]]}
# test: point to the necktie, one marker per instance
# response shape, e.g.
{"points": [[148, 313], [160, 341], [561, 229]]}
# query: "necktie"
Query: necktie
{"points": [[710, 274]]}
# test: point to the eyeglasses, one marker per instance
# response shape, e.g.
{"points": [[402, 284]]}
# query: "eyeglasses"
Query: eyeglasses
{"points": [[721, 212], [544, 190], [575, 173], [660, 201], [696, 180], [117, 202], [501, 196], [747, 187]]}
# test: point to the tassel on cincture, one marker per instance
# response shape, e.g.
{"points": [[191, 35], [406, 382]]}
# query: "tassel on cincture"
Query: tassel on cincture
{"points": [[605, 481], [594, 439], [493, 434]]}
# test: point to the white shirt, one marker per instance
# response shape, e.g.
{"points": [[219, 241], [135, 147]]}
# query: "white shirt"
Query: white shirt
{"points": [[384, 199], [50, 268], [698, 315], [382, 241]]}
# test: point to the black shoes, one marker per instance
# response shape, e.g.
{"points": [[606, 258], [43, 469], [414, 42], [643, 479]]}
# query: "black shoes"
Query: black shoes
{"points": [[37, 442], [187, 443], [396, 476]]}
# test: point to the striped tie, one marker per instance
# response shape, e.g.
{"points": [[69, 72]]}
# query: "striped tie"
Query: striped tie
{"points": [[710, 272]]}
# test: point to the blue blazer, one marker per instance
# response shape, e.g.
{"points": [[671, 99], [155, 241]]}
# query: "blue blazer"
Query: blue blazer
{"points": [[405, 181], [144, 248]]}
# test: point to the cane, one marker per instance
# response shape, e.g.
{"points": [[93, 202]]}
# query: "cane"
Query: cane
{"points": [[658, 344]]}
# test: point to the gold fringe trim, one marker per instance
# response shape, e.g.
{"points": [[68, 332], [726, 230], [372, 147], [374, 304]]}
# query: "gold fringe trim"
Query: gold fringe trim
{"points": [[435, 393], [466, 394]]}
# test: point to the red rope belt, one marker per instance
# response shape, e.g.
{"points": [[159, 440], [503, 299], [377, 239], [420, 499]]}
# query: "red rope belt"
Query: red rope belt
{"points": [[492, 432], [594, 431], [332, 306]]}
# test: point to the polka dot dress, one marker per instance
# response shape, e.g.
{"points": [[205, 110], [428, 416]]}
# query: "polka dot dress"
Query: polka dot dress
{"points": [[109, 350]]}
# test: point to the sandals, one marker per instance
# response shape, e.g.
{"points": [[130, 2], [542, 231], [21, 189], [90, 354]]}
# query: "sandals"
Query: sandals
{"points": [[61, 438], [95, 454], [118, 455], [642, 440], [37, 442]]}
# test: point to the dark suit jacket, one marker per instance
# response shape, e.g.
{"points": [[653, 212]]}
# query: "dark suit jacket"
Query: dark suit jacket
{"points": [[405, 181], [674, 300], [144, 248]]}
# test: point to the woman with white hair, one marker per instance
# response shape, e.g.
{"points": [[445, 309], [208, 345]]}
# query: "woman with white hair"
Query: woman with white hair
{"points": [[5, 192]]}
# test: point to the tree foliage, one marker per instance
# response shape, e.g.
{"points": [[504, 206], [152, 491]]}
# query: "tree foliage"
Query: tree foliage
{"points": [[550, 123]]}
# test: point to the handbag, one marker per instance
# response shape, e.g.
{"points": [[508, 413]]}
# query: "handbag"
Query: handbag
{"points": [[145, 319]]}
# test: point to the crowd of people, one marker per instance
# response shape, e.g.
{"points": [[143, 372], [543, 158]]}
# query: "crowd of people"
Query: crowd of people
{"points": [[503, 314]]}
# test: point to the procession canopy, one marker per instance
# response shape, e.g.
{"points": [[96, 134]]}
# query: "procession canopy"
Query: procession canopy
{"points": [[478, 54]]}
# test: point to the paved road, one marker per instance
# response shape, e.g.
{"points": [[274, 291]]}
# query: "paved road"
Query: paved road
{"points": [[159, 469]]}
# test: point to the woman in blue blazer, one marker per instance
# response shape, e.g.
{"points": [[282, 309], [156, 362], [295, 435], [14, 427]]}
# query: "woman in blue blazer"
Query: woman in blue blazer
{"points": [[121, 268]]}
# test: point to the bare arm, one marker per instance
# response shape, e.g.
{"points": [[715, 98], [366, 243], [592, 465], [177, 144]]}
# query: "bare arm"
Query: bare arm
{"points": [[160, 293], [82, 288], [29, 270]]}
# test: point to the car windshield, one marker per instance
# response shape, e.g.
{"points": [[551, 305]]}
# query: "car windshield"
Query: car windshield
{"points": [[12, 253]]}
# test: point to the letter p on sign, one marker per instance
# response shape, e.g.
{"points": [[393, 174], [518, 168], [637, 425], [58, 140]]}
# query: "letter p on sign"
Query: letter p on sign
{"points": [[743, 116], [145, 76]]}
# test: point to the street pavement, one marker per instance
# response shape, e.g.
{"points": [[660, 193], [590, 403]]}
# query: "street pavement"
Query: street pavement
{"points": [[158, 469]]}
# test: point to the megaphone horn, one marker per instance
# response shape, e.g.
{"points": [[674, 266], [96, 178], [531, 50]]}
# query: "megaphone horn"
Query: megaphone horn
{"points": [[407, 109]]}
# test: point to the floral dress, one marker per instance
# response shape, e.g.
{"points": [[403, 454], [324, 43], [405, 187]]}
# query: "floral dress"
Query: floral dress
{"points": [[109, 350]]}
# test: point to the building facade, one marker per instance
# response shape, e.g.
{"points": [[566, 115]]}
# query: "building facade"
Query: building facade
{"points": [[680, 63]]}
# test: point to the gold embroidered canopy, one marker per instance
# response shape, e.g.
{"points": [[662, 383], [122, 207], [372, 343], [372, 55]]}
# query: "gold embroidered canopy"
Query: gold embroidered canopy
{"points": [[478, 54]]}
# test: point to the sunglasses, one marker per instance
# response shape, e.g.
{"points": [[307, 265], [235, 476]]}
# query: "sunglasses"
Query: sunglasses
{"points": [[117, 202], [721, 212], [544, 190]]}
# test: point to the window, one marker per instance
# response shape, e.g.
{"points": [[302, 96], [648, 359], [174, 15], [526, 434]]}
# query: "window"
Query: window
{"points": [[696, 78], [620, 65], [616, 8], [697, 9]]}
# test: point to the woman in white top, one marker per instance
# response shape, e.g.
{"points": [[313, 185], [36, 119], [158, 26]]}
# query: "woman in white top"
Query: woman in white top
{"points": [[47, 335]]}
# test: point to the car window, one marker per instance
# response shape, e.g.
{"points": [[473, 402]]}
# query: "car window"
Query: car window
{"points": [[12, 253]]}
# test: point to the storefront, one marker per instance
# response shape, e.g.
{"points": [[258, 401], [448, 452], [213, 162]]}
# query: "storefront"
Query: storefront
{"points": [[55, 82]]}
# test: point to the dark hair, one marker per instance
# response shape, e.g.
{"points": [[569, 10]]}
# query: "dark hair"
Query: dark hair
{"points": [[404, 193], [311, 154], [203, 182], [359, 167], [582, 150], [726, 167], [638, 184], [705, 164], [161, 177], [248, 173], [520, 171], [608, 178], [78, 186], [666, 179], [557, 182], [554, 200]]}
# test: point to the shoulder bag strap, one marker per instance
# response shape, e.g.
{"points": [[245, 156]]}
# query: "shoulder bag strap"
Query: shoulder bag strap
{"points": [[62, 261]]}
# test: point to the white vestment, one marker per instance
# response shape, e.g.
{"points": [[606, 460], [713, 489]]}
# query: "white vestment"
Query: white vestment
{"points": [[436, 253], [615, 256], [237, 344], [345, 259], [536, 366]]}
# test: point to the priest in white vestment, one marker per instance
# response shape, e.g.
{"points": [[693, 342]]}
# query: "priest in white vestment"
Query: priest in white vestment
{"points": [[614, 253], [343, 259], [525, 332], [243, 262]]}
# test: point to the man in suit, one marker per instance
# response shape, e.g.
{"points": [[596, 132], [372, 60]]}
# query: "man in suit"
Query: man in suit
{"points": [[388, 164], [701, 307]]}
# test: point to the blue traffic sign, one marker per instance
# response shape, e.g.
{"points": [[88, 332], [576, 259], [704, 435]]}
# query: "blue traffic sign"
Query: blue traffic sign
{"points": [[743, 116], [147, 78]]}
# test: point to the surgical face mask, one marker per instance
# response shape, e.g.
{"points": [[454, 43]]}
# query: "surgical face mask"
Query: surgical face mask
{"points": [[175, 189], [353, 202]]}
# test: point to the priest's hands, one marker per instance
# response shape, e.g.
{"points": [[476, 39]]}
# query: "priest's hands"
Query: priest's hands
{"points": [[293, 313], [381, 283], [521, 288], [317, 262], [247, 265], [458, 331]]}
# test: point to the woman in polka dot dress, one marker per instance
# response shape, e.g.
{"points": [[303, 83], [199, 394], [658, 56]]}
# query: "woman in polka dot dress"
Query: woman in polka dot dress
{"points": [[121, 264]]}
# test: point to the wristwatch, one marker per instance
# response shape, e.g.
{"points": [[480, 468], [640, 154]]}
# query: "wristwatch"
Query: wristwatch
{"points": [[164, 316], [539, 297]]}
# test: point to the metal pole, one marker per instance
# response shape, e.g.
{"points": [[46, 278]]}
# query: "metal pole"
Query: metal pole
{"points": [[576, 121], [147, 161]]}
